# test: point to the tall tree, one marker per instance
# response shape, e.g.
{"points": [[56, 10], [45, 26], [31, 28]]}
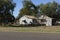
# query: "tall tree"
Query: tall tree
{"points": [[50, 9], [28, 8], [6, 11]]}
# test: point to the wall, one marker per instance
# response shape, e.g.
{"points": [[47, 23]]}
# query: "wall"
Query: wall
{"points": [[49, 22], [25, 18]]}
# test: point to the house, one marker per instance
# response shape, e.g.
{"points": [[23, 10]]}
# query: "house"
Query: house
{"points": [[57, 22], [27, 19], [45, 20]]}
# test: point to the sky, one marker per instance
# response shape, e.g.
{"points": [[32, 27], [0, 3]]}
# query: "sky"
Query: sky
{"points": [[19, 4]]}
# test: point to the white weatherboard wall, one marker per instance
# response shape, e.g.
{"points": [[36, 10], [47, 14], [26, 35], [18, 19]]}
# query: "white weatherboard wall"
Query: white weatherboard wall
{"points": [[25, 18], [49, 22]]}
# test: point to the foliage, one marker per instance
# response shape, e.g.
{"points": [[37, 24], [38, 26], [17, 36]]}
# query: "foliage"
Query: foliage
{"points": [[50, 9], [28, 8], [6, 11]]}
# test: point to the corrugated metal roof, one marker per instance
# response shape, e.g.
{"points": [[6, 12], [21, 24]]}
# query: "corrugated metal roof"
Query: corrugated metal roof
{"points": [[31, 17], [44, 17]]}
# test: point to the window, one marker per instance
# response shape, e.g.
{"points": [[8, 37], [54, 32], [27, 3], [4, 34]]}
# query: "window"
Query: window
{"points": [[24, 21], [43, 20]]}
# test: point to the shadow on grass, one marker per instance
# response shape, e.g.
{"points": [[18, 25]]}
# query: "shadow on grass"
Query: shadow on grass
{"points": [[31, 25]]}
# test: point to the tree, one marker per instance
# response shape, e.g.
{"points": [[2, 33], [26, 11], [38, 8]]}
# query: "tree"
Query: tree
{"points": [[50, 9], [6, 11], [28, 8]]}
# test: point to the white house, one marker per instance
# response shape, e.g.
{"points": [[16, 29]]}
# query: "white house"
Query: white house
{"points": [[45, 20], [27, 19]]}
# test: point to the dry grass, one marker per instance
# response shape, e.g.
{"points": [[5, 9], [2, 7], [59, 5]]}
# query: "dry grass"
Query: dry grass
{"points": [[30, 29]]}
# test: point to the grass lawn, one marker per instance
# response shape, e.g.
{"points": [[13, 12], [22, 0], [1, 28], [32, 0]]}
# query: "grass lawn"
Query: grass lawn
{"points": [[30, 29]]}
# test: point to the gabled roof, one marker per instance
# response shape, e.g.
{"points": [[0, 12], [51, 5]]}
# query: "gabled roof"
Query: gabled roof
{"points": [[44, 17], [31, 17], [28, 16]]}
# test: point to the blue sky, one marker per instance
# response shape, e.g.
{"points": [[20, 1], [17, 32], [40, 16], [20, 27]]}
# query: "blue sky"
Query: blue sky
{"points": [[19, 4]]}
